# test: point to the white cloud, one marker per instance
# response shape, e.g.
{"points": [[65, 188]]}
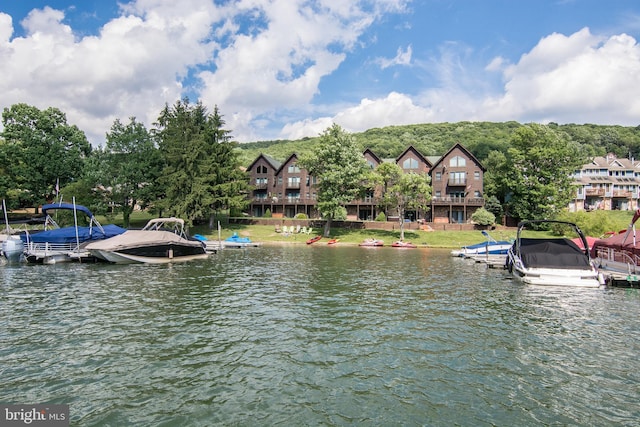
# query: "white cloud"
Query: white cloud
{"points": [[576, 79], [131, 68], [262, 63], [403, 57], [281, 66], [579, 78]]}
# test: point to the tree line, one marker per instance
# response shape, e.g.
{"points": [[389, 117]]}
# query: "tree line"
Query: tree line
{"points": [[188, 165]]}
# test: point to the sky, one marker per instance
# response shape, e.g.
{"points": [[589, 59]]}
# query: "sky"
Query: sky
{"points": [[288, 69]]}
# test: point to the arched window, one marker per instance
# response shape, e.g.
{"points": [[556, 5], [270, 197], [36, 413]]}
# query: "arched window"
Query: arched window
{"points": [[410, 163], [458, 161]]}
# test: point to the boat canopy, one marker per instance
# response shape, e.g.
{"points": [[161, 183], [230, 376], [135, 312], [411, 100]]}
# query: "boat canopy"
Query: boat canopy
{"points": [[552, 253], [69, 206], [68, 234], [623, 241]]}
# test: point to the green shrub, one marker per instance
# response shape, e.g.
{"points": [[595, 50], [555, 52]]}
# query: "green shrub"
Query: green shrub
{"points": [[301, 215], [597, 223], [483, 217], [381, 217], [267, 213], [340, 214]]}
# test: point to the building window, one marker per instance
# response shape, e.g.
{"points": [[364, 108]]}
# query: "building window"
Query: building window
{"points": [[410, 163], [438, 176], [438, 193], [457, 178], [458, 161], [293, 181], [293, 168], [476, 175], [262, 169]]}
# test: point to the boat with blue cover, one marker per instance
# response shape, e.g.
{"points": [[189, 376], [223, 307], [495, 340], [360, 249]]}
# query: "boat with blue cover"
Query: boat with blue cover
{"points": [[57, 244]]}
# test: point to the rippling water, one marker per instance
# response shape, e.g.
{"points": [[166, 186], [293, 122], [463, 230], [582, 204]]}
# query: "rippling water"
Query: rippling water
{"points": [[316, 336]]}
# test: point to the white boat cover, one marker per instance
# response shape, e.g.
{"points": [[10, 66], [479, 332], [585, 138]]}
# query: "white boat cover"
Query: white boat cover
{"points": [[140, 238]]}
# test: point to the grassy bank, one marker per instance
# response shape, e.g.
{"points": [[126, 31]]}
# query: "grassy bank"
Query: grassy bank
{"points": [[436, 239], [616, 220]]}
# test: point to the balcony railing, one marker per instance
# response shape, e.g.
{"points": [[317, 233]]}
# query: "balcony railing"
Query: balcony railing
{"points": [[456, 182], [625, 194], [260, 185], [594, 191], [455, 200]]}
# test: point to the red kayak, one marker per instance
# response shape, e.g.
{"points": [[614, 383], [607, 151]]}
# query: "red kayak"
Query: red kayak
{"points": [[333, 241], [400, 244], [313, 239], [373, 243]]}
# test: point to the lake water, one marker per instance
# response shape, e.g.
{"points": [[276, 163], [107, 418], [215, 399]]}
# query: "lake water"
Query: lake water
{"points": [[317, 335]]}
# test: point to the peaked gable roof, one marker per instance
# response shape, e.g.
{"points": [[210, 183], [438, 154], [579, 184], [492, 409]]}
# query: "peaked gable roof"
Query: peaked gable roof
{"points": [[286, 162], [372, 154], [272, 162], [412, 149], [465, 151]]}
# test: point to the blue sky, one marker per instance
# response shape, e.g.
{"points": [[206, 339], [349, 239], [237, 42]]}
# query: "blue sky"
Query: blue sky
{"points": [[290, 68]]}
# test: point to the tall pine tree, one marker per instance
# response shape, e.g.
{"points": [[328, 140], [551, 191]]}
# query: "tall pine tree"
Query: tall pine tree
{"points": [[202, 174]]}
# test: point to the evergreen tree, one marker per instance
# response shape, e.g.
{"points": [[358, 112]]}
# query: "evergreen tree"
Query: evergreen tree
{"points": [[202, 173]]}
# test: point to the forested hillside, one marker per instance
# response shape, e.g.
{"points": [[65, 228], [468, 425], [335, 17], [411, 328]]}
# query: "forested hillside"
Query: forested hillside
{"points": [[434, 139]]}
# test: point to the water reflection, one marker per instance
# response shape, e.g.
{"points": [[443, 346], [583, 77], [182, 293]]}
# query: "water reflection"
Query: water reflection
{"points": [[316, 336]]}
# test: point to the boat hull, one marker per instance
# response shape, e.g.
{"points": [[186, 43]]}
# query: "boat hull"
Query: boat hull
{"points": [[559, 277], [117, 257], [406, 245], [483, 249], [374, 244]]}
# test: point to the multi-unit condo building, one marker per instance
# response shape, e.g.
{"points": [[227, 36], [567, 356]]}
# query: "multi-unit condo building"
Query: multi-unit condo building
{"points": [[607, 183], [285, 189]]}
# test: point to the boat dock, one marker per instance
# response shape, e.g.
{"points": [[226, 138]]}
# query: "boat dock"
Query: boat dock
{"points": [[492, 261], [621, 280]]}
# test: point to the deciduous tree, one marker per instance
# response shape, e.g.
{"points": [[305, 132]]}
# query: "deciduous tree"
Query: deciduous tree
{"points": [[42, 149], [133, 166], [538, 172], [403, 191], [340, 168]]}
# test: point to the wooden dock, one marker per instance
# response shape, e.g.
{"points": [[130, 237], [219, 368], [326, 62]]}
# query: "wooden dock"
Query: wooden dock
{"points": [[621, 280], [492, 261]]}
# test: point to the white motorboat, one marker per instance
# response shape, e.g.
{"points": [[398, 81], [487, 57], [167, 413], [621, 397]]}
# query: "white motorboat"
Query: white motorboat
{"points": [[162, 240], [489, 247], [552, 261]]}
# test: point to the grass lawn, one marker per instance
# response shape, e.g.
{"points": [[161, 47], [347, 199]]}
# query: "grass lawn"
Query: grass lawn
{"points": [[435, 239]]}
